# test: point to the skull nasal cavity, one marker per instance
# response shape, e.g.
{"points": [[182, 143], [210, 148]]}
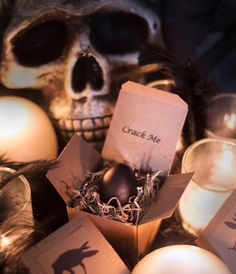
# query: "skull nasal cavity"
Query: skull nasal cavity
{"points": [[40, 44], [87, 71]]}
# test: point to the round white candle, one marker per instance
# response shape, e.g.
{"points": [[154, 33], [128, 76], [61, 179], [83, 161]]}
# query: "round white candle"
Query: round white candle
{"points": [[26, 133], [213, 162], [180, 259]]}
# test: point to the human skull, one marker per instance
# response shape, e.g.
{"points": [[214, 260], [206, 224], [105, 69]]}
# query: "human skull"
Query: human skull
{"points": [[77, 53]]}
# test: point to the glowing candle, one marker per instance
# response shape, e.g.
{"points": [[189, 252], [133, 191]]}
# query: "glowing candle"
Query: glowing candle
{"points": [[4, 242], [213, 162], [230, 121], [181, 259], [221, 117], [26, 133]]}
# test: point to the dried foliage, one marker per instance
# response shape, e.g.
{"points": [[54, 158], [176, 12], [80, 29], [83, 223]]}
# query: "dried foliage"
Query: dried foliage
{"points": [[87, 197]]}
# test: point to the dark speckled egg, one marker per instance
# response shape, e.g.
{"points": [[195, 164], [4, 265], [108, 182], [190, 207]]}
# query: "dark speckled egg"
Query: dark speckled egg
{"points": [[119, 181]]}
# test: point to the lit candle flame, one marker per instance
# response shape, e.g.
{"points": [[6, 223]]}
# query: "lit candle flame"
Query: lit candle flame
{"points": [[4, 241], [226, 161], [224, 166], [230, 120]]}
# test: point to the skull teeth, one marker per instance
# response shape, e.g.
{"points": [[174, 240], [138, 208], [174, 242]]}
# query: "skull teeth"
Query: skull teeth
{"points": [[92, 129], [87, 124]]}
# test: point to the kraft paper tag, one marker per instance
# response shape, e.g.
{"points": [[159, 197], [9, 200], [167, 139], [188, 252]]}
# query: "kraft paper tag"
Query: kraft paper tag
{"points": [[145, 127], [220, 235], [77, 247]]}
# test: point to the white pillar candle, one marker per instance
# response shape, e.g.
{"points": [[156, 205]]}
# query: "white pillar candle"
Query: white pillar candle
{"points": [[213, 162], [180, 259], [26, 133]]}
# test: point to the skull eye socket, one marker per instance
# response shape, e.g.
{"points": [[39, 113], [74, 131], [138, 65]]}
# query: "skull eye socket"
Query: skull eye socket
{"points": [[40, 44], [118, 32]]}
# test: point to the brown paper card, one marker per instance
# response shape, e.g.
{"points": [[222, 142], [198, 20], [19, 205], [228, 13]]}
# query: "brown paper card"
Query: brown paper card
{"points": [[145, 127], [220, 235], [77, 158], [77, 246]]}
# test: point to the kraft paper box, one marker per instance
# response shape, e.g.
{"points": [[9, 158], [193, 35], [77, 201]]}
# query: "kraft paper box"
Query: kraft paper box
{"points": [[219, 236], [148, 123], [128, 240], [77, 247]]}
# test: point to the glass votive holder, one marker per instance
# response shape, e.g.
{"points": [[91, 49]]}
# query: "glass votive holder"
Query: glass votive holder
{"points": [[18, 216], [221, 117], [213, 162], [18, 193]]}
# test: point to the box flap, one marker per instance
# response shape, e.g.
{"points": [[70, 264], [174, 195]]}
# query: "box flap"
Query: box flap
{"points": [[76, 158], [77, 247], [166, 201]]}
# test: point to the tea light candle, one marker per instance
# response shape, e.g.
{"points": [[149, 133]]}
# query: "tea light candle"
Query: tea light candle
{"points": [[213, 162], [181, 259], [221, 117], [26, 133]]}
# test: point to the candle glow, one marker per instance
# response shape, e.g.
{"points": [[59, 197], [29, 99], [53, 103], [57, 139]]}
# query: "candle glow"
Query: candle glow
{"points": [[222, 168], [16, 122], [180, 259], [213, 162], [221, 117], [230, 121], [4, 242], [26, 133]]}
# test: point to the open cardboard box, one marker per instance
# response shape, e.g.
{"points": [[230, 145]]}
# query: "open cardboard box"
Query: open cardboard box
{"points": [[129, 241], [144, 132]]}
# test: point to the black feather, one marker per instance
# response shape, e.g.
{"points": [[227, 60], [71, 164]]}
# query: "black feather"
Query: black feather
{"points": [[10, 261], [29, 170], [188, 85]]}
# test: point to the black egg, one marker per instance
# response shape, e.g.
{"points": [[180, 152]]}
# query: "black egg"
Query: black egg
{"points": [[119, 181]]}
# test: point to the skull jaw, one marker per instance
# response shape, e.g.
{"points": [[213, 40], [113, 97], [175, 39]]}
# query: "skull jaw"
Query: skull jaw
{"points": [[91, 119]]}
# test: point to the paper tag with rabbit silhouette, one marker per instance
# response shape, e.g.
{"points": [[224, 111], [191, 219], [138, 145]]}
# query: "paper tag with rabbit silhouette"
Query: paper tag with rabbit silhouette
{"points": [[220, 235], [77, 247]]}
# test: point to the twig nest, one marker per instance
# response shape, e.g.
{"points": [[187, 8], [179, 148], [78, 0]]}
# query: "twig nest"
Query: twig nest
{"points": [[118, 181], [117, 192]]}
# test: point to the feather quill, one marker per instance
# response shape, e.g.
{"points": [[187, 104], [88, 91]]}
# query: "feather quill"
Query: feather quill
{"points": [[29, 234]]}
